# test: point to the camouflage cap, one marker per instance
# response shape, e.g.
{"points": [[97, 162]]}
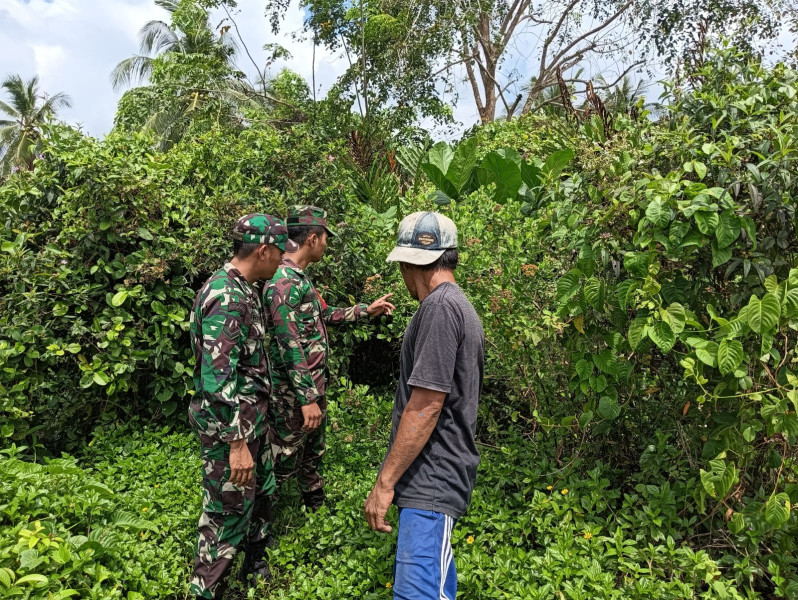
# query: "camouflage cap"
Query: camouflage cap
{"points": [[258, 228], [308, 215]]}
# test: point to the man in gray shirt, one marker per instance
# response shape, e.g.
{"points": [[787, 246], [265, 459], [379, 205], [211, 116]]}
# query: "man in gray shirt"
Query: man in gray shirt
{"points": [[432, 458]]}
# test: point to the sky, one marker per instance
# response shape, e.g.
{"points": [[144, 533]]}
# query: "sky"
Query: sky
{"points": [[74, 44]]}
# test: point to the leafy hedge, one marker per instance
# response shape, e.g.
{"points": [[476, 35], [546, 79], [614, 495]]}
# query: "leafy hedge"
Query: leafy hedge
{"points": [[104, 245], [636, 279]]}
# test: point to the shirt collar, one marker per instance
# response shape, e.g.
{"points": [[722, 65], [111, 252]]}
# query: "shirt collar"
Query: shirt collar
{"points": [[287, 262], [236, 274]]}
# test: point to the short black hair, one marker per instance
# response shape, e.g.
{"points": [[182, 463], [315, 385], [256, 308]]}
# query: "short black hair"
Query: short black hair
{"points": [[446, 261], [300, 233], [244, 249]]}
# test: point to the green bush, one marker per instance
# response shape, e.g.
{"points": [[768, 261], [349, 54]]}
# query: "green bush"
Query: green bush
{"points": [[104, 245], [120, 529]]}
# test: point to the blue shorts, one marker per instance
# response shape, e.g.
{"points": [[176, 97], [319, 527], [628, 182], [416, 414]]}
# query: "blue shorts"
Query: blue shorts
{"points": [[424, 567]]}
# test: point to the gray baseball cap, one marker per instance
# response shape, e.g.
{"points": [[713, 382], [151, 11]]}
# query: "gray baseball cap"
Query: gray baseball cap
{"points": [[423, 237]]}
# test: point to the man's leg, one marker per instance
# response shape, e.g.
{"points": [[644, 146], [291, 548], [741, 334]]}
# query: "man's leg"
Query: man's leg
{"points": [[311, 483], [287, 437], [424, 567], [226, 511], [260, 535]]}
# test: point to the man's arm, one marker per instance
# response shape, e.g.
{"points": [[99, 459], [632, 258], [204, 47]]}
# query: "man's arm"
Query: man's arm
{"points": [[282, 300], [333, 315], [415, 428], [223, 329]]}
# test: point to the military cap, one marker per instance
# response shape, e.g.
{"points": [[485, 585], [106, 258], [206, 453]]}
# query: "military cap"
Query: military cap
{"points": [[258, 228], [308, 215]]}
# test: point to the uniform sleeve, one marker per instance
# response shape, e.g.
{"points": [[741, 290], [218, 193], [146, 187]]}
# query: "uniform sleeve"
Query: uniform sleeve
{"points": [[334, 316], [283, 298], [224, 329]]}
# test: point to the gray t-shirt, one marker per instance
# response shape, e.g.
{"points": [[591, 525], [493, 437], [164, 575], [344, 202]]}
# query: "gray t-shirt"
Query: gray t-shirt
{"points": [[443, 350]]}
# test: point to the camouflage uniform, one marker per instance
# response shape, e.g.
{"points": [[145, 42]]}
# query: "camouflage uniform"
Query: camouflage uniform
{"points": [[232, 390], [297, 319]]}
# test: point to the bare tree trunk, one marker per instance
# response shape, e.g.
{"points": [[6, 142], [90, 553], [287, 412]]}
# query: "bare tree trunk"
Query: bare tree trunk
{"points": [[484, 37], [484, 50]]}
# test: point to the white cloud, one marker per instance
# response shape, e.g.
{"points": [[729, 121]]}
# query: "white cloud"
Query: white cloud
{"points": [[48, 60]]}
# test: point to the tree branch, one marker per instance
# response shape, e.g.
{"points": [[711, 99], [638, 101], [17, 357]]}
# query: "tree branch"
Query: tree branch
{"points": [[593, 31], [261, 74]]}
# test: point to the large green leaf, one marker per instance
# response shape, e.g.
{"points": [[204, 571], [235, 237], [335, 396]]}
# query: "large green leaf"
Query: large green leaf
{"points": [[638, 329], [439, 179], [790, 304], [609, 408], [556, 162], [584, 369], [441, 155], [719, 479], [606, 362], [763, 315], [461, 168], [637, 263], [730, 355], [658, 213], [675, 316], [728, 229], [587, 259], [594, 293], [777, 509], [623, 290], [568, 285], [662, 335], [503, 172], [720, 256], [530, 175], [706, 221], [708, 353]]}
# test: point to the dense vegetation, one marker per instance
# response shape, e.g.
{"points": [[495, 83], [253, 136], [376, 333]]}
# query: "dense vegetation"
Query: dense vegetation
{"points": [[635, 273]]}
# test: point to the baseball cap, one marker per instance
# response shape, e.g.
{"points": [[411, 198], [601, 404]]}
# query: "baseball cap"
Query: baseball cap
{"points": [[423, 237], [258, 228], [308, 215]]}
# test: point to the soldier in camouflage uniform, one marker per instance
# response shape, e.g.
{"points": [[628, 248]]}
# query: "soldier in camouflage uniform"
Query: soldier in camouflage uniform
{"points": [[230, 405], [297, 319]]}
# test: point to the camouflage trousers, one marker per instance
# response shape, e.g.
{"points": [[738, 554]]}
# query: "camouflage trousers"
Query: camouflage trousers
{"points": [[232, 516], [296, 452]]}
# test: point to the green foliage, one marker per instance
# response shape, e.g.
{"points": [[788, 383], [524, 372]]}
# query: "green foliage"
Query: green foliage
{"points": [[103, 246], [120, 529], [456, 175]]}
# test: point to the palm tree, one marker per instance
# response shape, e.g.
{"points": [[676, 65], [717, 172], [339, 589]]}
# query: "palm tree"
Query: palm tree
{"points": [[157, 37], [27, 111]]}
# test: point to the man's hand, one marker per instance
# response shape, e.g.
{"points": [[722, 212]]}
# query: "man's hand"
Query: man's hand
{"points": [[380, 306], [242, 466], [376, 507], [312, 415]]}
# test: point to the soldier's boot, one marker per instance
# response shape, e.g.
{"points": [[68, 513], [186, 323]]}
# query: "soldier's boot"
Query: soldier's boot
{"points": [[313, 500], [256, 565]]}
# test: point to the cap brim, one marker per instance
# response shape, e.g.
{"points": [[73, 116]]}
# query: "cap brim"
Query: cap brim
{"points": [[291, 246], [414, 256], [330, 232]]}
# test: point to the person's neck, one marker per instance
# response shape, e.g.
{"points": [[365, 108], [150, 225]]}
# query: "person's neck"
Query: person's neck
{"points": [[301, 258], [246, 268], [427, 285]]}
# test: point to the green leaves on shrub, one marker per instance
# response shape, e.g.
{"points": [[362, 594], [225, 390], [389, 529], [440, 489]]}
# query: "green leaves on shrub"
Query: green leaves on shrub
{"points": [[456, 174]]}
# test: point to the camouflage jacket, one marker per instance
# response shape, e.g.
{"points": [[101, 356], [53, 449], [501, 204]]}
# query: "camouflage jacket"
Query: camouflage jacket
{"points": [[297, 319], [231, 373]]}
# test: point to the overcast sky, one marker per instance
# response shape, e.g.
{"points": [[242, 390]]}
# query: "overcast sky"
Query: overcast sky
{"points": [[74, 44]]}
